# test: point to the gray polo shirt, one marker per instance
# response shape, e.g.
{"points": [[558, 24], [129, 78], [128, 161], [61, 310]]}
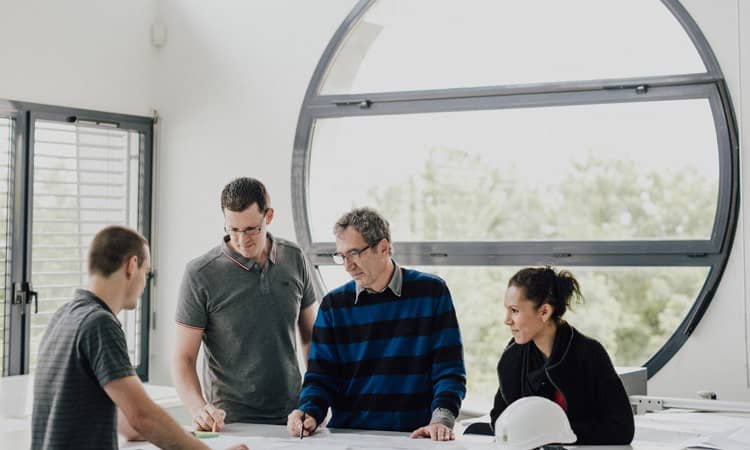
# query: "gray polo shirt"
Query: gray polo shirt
{"points": [[248, 315], [82, 350]]}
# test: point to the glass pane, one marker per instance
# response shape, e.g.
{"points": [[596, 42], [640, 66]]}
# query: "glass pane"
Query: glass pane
{"points": [[632, 311], [83, 181], [6, 134], [620, 171], [432, 44]]}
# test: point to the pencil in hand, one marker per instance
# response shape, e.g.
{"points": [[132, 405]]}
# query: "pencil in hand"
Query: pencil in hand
{"points": [[302, 427]]}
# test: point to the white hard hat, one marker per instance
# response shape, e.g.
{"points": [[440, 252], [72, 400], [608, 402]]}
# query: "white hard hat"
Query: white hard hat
{"points": [[532, 422]]}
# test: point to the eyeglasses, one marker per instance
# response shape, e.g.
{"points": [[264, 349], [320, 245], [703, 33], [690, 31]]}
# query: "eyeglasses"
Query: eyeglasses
{"points": [[249, 231], [340, 258]]}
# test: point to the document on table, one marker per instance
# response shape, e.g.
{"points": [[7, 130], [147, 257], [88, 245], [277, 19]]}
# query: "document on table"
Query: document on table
{"points": [[337, 441], [695, 430]]}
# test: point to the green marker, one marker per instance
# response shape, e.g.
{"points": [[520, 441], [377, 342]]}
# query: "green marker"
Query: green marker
{"points": [[205, 434]]}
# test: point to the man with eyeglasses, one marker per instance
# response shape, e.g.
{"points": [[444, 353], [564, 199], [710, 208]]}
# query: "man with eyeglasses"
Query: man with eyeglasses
{"points": [[244, 300], [386, 350]]}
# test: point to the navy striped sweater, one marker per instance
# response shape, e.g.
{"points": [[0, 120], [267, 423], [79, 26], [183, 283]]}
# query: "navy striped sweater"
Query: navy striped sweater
{"points": [[385, 362]]}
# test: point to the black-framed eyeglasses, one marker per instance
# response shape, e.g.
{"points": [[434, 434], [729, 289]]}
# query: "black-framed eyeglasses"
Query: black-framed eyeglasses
{"points": [[249, 231], [340, 258]]}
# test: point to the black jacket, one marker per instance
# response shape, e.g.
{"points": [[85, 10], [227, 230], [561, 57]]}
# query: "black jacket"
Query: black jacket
{"points": [[597, 406]]}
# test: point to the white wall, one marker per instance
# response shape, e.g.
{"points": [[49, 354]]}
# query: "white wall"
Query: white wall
{"points": [[716, 355], [78, 53], [228, 86]]}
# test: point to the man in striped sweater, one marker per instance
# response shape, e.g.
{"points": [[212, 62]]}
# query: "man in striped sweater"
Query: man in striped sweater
{"points": [[386, 349]]}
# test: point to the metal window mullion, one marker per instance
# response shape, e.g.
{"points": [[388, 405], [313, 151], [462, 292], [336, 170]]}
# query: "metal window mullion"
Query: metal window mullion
{"points": [[17, 359], [62, 114], [572, 87], [300, 176], [728, 147], [547, 247], [525, 100], [145, 183], [461, 254]]}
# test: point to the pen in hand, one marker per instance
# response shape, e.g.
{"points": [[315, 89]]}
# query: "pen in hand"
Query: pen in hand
{"points": [[302, 427]]}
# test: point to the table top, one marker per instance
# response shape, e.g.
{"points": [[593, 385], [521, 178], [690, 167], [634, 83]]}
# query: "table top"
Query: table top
{"points": [[261, 437], [654, 431]]}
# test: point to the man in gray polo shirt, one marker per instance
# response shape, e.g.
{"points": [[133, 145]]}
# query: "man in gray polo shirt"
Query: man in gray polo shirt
{"points": [[84, 373], [244, 300]]}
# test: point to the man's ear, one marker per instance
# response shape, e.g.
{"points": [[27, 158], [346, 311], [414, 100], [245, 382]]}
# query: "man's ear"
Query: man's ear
{"points": [[384, 246], [269, 216], [131, 266]]}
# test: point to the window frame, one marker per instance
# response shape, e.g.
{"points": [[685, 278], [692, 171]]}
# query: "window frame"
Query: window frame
{"points": [[25, 115], [710, 85]]}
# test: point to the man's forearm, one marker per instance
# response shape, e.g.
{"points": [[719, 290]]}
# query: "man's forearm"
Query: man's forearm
{"points": [[145, 417], [156, 426], [125, 429], [187, 384]]}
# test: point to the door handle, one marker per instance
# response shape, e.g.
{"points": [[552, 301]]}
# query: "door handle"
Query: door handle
{"points": [[36, 299]]}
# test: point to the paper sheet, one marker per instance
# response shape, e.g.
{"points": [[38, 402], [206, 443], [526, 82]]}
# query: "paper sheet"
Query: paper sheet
{"points": [[695, 430], [333, 441]]}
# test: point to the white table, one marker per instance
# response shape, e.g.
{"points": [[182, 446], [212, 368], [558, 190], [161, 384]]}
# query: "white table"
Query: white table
{"points": [[654, 431], [261, 437]]}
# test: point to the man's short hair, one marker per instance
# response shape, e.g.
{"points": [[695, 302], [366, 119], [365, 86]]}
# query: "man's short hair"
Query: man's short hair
{"points": [[369, 223], [114, 245], [241, 193]]}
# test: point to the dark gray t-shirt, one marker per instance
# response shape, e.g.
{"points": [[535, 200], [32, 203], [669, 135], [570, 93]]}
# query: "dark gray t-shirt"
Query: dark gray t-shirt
{"points": [[83, 349], [248, 316]]}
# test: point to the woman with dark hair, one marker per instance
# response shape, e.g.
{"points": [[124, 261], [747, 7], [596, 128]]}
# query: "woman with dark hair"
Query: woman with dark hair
{"points": [[549, 358]]}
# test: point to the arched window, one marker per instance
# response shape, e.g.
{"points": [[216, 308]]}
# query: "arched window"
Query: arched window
{"points": [[593, 136]]}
